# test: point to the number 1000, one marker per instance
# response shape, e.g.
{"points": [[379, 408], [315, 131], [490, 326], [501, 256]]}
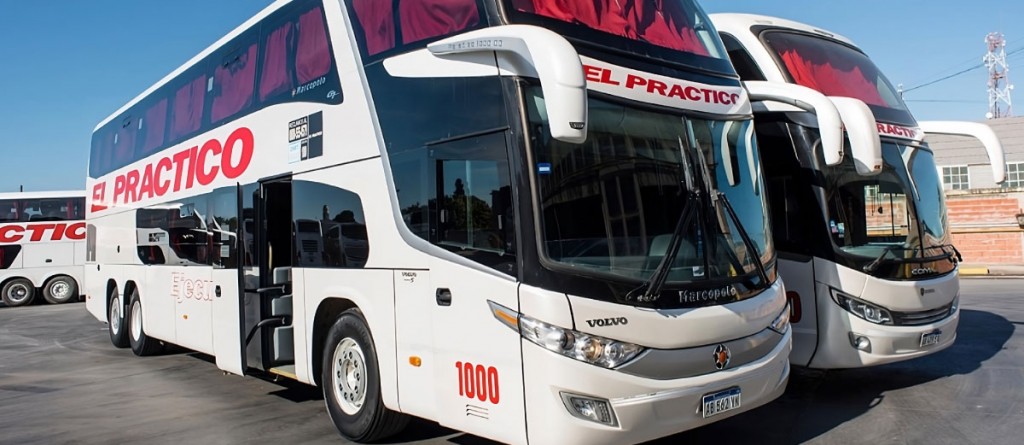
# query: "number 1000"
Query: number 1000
{"points": [[476, 381]]}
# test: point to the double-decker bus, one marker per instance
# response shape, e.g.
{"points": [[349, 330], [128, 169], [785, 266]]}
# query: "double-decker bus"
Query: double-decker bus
{"points": [[529, 220], [42, 246], [864, 242]]}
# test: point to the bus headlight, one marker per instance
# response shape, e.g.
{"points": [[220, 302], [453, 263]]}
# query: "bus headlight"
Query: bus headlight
{"points": [[781, 323], [862, 309], [588, 348]]}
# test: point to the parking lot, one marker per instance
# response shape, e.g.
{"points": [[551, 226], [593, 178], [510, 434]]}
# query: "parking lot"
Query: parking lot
{"points": [[62, 382]]}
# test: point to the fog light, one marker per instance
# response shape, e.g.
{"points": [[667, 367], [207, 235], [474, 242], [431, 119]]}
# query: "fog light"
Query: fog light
{"points": [[860, 342], [588, 408]]}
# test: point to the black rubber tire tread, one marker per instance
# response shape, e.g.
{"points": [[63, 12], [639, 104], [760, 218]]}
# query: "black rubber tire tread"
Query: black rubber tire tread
{"points": [[25, 282], [119, 339], [73, 295], [145, 345], [374, 421]]}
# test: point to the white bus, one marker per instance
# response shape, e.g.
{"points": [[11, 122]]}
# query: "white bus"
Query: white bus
{"points": [[42, 246], [535, 228], [864, 242]]}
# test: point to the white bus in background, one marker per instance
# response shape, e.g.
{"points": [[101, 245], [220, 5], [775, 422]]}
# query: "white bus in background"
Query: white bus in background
{"points": [[864, 242], [547, 231], [42, 246]]}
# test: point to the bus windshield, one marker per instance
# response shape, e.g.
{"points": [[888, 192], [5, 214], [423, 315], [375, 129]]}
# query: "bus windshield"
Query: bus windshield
{"points": [[610, 206], [835, 69], [899, 214]]}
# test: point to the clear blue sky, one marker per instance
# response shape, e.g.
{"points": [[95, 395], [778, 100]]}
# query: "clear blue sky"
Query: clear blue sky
{"points": [[65, 65]]}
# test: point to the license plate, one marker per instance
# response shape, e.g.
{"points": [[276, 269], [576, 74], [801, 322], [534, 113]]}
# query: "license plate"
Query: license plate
{"points": [[720, 402], [930, 338]]}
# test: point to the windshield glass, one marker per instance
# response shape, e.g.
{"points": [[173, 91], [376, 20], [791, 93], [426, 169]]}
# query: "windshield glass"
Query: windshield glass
{"points": [[897, 214], [609, 206], [835, 69], [679, 25]]}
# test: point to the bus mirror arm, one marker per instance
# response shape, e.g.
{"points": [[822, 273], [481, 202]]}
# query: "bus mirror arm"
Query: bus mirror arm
{"points": [[830, 123], [556, 62], [861, 128], [981, 132]]}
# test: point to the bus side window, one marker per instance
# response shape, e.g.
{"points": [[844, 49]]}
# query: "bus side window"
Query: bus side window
{"points": [[741, 59], [234, 79], [296, 62], [330, 227]]}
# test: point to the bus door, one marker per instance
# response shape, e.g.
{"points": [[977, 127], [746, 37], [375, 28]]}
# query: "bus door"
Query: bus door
{"points": [[228, 253], [478, 378], [269, 338]]}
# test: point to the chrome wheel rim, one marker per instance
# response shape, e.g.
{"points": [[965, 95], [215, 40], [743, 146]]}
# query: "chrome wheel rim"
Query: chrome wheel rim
{"points": [[60, 289], [115, 315], [349, 376], [136, 323], [17, 293]]}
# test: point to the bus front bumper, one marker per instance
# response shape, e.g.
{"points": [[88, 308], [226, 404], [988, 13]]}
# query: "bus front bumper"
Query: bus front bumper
{"points": [[841, 330], [644, 409]]}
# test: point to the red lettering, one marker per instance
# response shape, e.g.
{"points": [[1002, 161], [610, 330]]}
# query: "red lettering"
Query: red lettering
{"points": [[723, 98], [735, 98], [206, 177], [692, 93], [146, 189], [634, 81], [160, 186], [657, 86], [131, 188], [676, 91], [606, 77], [76, 231], [98, 191], [179, 159], [191, 167], [58, 232], [118, 187], [709, 96], [592, 73], [11, 234], [38, 230], [232, 171]]}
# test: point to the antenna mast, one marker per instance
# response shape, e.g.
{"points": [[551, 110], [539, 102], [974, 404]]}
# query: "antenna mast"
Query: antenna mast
{"points": [[1000, 104]]}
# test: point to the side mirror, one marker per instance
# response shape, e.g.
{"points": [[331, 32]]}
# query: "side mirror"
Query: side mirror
{"points": [[861, 128], [553, 58], [830, 123], [981, 132]]}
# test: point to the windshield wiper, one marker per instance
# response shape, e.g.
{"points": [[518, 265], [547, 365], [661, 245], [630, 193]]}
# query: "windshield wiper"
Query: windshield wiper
{"points": [[870, 268], [651, 289], [745, 237]]}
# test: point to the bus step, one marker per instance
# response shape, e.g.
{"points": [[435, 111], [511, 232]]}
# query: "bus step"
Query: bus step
{"points": [[285, 371]]}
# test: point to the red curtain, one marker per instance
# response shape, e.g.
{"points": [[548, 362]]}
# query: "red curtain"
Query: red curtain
{"points": [[275, 77], [236, 82], [313, 56], [431, 18], [154, 123], [188, 108], [124, 144], [818, 72], [377, 20], [660, 22]]}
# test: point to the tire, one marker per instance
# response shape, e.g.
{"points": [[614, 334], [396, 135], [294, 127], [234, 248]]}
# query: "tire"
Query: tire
{"points": [[117, 325], [60, 289], [142, 345], [18, 292], [354, 400]]}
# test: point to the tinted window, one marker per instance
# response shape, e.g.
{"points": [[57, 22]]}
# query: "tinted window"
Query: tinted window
{"points": [[42, 209], [222, 224], [741, 59], [7, 255], [285, 58], [9, 211], [378, 28], [329, 227], [174, 234]]}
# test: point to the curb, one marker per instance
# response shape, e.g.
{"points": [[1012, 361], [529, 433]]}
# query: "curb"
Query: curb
{"points": [[974, 271]]}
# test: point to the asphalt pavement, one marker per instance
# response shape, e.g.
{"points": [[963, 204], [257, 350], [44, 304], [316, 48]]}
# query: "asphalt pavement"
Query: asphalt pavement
{"points": [[62, 382]]}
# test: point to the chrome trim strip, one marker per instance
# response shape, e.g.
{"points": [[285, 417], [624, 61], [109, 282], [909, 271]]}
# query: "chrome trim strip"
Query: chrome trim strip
{"points": [[668, 364]]}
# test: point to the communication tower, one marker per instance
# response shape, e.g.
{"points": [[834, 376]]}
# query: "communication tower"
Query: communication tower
{"points": [[1000, 104]]}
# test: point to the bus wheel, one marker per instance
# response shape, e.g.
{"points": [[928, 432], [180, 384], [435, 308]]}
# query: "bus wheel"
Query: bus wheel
{"points": [[18, 292], [116, 325], [142, 345], [351, 382], [60, 289]]}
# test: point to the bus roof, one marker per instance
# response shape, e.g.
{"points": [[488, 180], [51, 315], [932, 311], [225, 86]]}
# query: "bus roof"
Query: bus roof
{"points": [[198, 58], [37, 195], [734, 23]]}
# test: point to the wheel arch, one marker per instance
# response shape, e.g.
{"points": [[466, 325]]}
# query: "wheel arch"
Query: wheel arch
{"points": [[326, 314]]}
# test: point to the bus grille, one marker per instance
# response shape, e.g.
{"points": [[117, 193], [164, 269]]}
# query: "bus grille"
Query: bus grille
{"points": [[923, 317], [310, 246]]}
